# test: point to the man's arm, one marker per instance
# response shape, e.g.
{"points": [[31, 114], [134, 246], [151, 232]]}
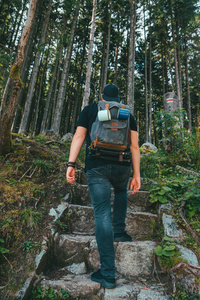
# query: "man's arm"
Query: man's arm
{"points": [[135, 182], [75, 148]]}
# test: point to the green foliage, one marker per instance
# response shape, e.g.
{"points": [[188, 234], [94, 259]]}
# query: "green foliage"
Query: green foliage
{"points": [[61, 225], [29, 246], [30, 218], [183, 147], [168, 254], [43, 166], [177, 190], [183, 295], [3, 250], [50, 294]]}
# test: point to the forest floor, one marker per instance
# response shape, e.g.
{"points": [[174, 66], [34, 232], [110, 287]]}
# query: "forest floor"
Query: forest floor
{"points": [[32, 180]]}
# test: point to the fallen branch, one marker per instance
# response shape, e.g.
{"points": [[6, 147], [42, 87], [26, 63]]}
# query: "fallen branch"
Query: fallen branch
{"points": [[187, 172], [187, 226], [189, 267], [25, 173], [54, 141], [32, 173]]}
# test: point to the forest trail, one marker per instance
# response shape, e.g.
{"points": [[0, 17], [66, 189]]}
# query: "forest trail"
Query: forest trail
{"points": [[67, 261]]}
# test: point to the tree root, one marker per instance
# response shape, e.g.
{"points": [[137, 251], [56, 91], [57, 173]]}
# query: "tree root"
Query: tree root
{"points": [[187, 226], [192, 270]]}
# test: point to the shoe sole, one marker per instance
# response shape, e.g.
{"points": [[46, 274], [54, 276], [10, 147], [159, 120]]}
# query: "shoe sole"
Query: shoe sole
{"points": [[121, 240], [104, 283]]}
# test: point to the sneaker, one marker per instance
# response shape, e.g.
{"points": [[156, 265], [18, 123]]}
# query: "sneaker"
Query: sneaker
{"points": [[106, 282], [122, 237]]}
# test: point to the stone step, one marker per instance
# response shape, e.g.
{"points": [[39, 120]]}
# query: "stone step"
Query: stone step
{"points": [[131, 258], [138, 202], [80, 220], [81, 287]]}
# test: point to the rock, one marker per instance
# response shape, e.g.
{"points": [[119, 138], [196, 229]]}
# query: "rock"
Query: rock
{"points": [[80, 219], [67, 137], [188, 255], [81, 195], [135, 258], [78, 286], [187, 280], [121, 292], [165, 207], [140, 224], [151, 295], [70, 249], [170, 227], [138, 202], [93, 259], [77, 269], [40, 261], [58, 212], [25, 292], [148, 147]]}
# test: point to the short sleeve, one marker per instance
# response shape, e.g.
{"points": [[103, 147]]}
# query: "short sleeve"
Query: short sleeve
{"points": [[83, 118], [133, 125]]}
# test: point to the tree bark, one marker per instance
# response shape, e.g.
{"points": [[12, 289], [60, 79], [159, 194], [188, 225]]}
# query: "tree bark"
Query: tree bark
{"points": [[9, 112], [63, 83], [89, 62], [150, 82], [49, 97], [108, 47], [146, 88], [24, 122], [131, 62], [188, 89]]}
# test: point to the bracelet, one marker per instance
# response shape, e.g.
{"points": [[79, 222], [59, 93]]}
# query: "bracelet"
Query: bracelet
{"points": [[71, 164]]}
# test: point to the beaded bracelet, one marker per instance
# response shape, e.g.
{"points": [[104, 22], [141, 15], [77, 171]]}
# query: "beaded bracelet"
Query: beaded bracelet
{"points": [[71, 164]]}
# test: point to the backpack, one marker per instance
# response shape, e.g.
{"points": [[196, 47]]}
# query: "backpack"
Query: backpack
{"points": [[110, 131]]}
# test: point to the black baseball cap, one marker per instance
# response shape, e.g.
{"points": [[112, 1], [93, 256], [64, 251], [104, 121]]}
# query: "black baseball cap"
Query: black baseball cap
{"points": [[111, 92]]}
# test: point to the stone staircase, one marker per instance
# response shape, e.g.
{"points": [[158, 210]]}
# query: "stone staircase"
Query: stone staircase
{"points": [[75, 255]]}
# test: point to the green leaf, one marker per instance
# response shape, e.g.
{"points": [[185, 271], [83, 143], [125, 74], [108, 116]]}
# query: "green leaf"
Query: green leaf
{"points": [[167, 189], [158, 251], [166, 238], [168, 253], [169, 248], [162, 192]]}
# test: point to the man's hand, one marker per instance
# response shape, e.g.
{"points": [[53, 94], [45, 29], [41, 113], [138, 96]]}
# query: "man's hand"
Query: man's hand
{"points": [[70, 175], [135, 185]]}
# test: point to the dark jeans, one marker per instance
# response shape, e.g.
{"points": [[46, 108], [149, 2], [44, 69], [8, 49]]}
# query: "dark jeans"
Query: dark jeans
{"points": [[99, 182]]}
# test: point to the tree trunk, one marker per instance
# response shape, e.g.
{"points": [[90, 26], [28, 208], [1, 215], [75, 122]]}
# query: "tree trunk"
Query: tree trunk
{"points": [[150, 84], [108, 47], [130, 93], [9, 112], [89, 62], [24, 122], [49, 97], [24, 76], [146, 88], [176, 69], [63, 83], [188, 89]]}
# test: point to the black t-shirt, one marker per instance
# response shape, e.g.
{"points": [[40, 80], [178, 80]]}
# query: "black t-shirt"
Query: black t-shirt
{"points": [[86, 119]]}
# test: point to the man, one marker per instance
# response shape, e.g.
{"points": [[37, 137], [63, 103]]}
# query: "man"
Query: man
{"points": [[101, 174]]}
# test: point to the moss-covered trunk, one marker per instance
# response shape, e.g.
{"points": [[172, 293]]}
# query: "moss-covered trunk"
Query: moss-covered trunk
{"points": [[8, 112], [7, 117]]}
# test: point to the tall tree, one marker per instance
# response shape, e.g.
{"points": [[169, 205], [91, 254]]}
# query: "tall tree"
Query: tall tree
{"points": [[131, 59], [108, 47], [90, 53], [24, 122], [63, 83], [7, 115]]}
